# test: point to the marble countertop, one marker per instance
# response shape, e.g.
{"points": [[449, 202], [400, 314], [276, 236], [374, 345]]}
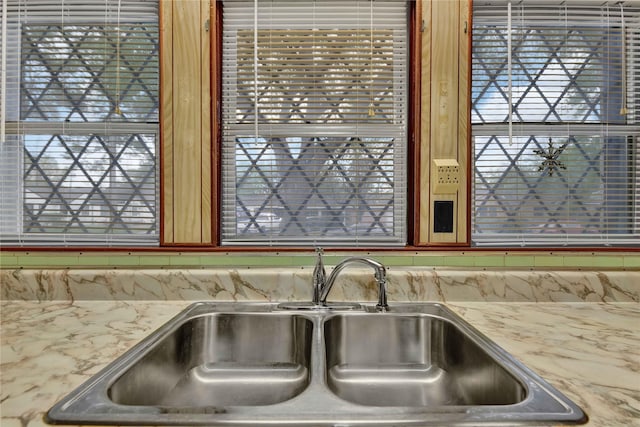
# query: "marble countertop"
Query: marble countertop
{"points": [[589, 351]]}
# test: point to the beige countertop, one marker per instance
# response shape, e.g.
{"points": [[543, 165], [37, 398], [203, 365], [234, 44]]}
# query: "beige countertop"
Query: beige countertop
{"points": [[589, 351]]}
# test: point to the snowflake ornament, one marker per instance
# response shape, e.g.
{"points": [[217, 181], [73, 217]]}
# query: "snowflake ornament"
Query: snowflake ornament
{"points": [[550, 157]]}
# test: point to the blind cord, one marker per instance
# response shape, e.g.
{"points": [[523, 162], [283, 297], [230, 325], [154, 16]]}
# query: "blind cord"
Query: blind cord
{"points": [[372, 111], [256, 106], [509, 72], [623, 42], [118, 111], [3, 74]]}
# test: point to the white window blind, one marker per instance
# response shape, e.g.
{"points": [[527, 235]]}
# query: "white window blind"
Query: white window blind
{"points": [[79, 122], [315, 122], [560, 167]]}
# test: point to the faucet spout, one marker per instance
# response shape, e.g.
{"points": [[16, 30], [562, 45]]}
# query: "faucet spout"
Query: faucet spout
{"points": [[379, 272]]}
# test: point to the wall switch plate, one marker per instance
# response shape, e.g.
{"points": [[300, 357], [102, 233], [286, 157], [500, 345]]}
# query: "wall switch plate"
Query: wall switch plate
{"points": [[443, 216], [445, 176]]}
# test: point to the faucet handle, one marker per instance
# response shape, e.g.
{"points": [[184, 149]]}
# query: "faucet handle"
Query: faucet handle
{"points": [[319, 271], [319, 276]]}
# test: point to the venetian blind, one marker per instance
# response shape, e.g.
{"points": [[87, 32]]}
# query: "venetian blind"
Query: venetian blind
{"points": [[79, 122], [560, 166], [315, 122]]}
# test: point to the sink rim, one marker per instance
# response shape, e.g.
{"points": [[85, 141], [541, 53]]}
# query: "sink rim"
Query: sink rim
{"points": [[89, 403]]}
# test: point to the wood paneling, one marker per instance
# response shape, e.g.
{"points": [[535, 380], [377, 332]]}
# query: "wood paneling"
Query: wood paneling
{"points": [[445, 112], [444, 78], [186, 123], [166, 121], [444, 101], [464, 123], [205, 122], [425, 131]]}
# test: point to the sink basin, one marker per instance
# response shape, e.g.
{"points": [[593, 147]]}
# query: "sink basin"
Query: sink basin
{"points": [[252, 364], [220, 360], [413, 360]]}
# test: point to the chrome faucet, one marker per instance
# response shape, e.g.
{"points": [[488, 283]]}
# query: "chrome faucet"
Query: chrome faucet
{"points": [[319, 277], [322, 286]]}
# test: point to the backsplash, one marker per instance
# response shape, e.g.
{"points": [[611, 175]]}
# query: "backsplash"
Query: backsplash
{"points": [[294, 284], [191, 259]]}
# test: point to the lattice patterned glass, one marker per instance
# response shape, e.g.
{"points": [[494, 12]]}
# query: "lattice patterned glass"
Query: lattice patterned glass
{"points": [[567, 169], [90, 73], [320, 186], [328, 162], [99, 175], [515, 195], [90, 184]]}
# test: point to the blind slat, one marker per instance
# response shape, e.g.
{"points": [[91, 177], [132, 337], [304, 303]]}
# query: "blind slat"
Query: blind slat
{"points": [[327, 164], [81, 120], [566, 171]]}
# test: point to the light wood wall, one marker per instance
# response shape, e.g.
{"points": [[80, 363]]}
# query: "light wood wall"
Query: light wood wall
{"points": [[186, 165], [188, 191], [445, 64]]}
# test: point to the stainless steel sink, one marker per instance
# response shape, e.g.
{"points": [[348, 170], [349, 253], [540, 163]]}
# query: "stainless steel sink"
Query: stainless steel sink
{"points": [[413, 360], [243, 364], [247, 359]]}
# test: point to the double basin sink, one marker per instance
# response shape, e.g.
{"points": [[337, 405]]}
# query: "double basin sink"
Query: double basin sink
{"points": [[247, 364]]}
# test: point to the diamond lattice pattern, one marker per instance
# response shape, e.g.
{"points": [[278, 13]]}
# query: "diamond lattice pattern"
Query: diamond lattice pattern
{"points": [[101, 177], [568, 80], [331, 120]]}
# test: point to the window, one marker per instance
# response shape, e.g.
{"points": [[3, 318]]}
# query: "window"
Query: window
{"points": [[315, 122], [79, 122], [556, 123]]}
